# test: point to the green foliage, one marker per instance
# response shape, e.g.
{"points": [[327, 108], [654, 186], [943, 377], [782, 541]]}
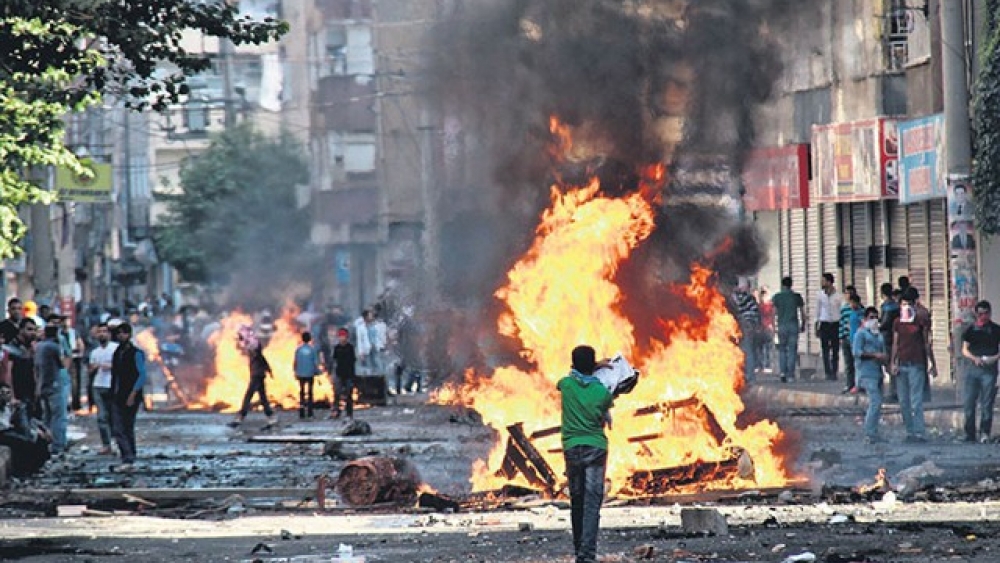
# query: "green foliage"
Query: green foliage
{"points": [[236, 209], [59, 56], [986, 166]]}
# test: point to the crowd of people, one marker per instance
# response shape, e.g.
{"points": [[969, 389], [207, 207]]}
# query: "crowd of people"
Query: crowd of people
{"points": [[45, 373], [887, 350]]}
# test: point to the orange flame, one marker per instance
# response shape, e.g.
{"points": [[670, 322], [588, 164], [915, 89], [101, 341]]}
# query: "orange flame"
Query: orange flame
{"points": [[232, 370], [562, 294]]}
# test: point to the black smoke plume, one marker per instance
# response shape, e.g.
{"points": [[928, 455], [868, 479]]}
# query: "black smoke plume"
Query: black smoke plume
{"points": [[638, 83]]}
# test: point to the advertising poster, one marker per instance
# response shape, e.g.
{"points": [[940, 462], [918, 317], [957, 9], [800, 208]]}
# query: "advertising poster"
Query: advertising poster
{"points": [[776, 178], [856, 161], [962, 246], [921, 159]]}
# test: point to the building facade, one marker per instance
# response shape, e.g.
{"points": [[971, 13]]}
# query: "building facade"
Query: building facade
{"points": [[829, 186]]}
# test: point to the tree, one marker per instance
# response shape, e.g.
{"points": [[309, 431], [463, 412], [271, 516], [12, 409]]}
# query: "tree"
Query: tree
{"points": [[62, 56], [986, 164], [235, 216]]}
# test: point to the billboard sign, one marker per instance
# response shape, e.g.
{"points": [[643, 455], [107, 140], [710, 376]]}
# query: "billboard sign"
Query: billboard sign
{"points": [[921, 159], [92, 187], [856, 161], [776, 178]]}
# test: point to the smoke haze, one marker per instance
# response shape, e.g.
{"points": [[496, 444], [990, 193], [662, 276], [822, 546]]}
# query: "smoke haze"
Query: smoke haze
{"points": [[670, 82]]}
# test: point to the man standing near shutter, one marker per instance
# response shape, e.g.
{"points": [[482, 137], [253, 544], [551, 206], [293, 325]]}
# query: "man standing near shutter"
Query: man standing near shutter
{"points": [[912, 361], [828, 305], [791, 316]]}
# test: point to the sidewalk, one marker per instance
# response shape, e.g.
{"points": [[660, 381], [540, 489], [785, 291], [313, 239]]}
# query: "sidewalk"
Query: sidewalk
{"points": [[943, 411]]}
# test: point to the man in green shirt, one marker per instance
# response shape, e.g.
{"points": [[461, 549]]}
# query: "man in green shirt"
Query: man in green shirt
{"points": [[789, 310], [585, 404]]}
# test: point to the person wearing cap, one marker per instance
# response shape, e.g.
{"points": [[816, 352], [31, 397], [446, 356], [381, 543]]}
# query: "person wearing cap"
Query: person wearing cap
{"points": [[344, 360], [585, 404], [128, 376]]}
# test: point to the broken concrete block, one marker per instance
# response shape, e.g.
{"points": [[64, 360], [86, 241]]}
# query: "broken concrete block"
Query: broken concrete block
{"points": [[645, 551], [704, 521]]}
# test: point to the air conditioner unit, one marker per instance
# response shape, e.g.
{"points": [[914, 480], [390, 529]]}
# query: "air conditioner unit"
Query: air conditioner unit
{"points": [[898, 55]]}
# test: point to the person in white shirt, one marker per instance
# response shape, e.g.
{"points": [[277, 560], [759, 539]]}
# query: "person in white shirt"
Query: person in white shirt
{"points": [[363, 343], [828, 304], [100, 376]]}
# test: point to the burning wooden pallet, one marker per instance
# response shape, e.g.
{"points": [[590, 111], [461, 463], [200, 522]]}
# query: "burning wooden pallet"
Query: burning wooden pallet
{"points": [[522, 458]]}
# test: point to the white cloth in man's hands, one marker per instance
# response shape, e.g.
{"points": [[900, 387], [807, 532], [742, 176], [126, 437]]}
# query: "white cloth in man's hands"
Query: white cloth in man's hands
{"points": [[617, 375]]}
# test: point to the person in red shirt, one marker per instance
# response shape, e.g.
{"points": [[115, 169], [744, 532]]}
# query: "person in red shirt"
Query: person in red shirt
{"points": [[912, 361]]}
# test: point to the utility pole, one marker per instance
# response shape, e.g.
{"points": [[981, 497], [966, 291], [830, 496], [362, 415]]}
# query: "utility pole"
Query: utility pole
{"points": [[226, 53], [958, 159]]}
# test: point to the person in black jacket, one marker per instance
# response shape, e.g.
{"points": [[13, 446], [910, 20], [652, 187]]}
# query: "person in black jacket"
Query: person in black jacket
{"points": [[128, 376], [259, 370], [344, 360]]}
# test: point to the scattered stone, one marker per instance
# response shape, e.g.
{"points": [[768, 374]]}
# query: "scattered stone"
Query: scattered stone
{"points": [[261, 547], [828, 457], [335, 451], [357, 428], [806, 557], [840, 519], [704, 521], [71, 510], [645, 551], [786, 497]]}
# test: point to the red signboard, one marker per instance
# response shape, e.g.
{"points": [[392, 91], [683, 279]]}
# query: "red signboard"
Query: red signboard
{"points": [[857, 161], [776, 178]]}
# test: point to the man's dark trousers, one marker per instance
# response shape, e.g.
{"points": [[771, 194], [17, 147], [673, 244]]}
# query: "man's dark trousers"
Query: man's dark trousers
{"points": [[981, 391], [123, 426], [585, 466], [829, 342]]}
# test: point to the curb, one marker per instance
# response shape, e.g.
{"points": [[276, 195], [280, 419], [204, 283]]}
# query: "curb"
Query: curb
{"points": [[942, 417]]}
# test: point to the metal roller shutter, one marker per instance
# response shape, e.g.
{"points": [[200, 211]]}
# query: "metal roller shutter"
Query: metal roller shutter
{"points": [[940, 281], [797, 261], [899, 260], [879, 251], [844, 261], [861, 227], [917, 238], [830, 238], [814, 267]]}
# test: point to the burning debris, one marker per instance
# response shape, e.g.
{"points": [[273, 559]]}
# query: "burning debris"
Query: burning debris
{"points": [[369, 480]]}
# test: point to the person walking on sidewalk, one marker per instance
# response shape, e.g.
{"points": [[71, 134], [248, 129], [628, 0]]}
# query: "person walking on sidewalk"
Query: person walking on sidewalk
{"points": [[869, 352], [790, 314], [585, 404], [52, 393], [100, 376], [343, 370], [912, 361], [128, 377], [981, 346], [748, 317], [851, 316], [306, 369], [259, 370], [888, 313], [828, 304]]}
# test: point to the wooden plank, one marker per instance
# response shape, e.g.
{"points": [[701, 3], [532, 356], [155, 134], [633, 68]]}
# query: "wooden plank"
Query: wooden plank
{"points": [[153, 495], [317, 439]]}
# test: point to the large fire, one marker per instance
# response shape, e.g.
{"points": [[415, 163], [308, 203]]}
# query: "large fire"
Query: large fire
{"points": [[232, 370], [561, 294]]}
